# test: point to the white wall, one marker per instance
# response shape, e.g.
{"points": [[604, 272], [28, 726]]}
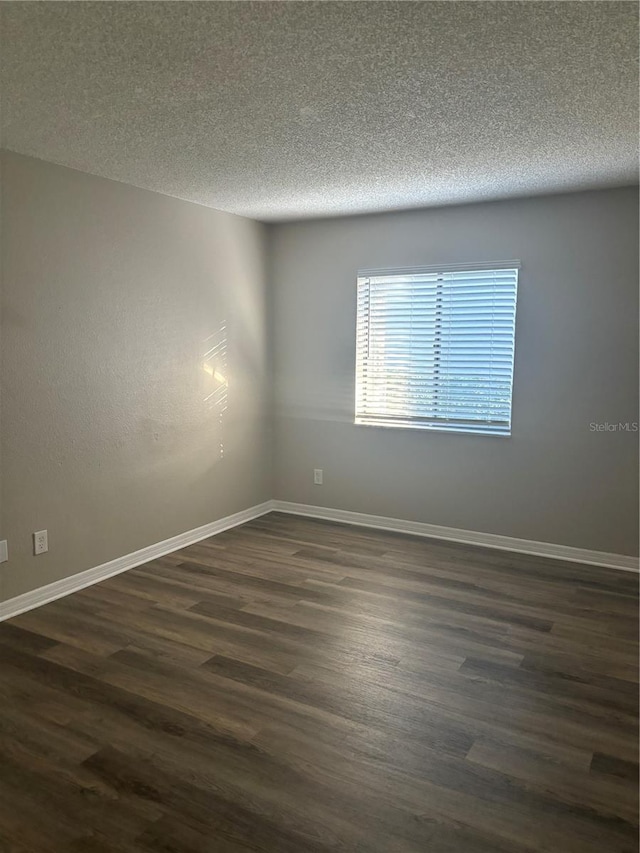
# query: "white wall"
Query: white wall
{"points": [[576, 363], [110, 439]]}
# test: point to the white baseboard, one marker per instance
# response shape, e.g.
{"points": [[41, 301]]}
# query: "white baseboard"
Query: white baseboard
{"points": [[58, 589], [469, 537]]}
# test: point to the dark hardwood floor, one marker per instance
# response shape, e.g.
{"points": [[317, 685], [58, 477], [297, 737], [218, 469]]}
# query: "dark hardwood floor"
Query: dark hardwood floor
{"points": [[294, 685]]}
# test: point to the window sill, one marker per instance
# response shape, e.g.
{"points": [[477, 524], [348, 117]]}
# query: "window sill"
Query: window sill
{"points": [[495, 432]]}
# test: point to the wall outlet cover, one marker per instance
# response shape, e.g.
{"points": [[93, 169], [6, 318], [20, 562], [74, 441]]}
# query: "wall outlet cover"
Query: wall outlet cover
{"points": [[40, 542]]}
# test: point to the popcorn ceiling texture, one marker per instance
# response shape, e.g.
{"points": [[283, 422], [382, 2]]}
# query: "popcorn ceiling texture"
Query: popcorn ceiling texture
{"points": [[287, 110]]}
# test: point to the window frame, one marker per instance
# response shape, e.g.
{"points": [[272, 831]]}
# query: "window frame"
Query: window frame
{"points": [[427, 424]]}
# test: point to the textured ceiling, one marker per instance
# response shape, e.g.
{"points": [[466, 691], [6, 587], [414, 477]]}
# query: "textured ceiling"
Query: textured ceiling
{"points": [[286, 110]]}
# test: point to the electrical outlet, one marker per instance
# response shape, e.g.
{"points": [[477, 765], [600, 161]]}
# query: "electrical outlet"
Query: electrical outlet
{"points": [[40, 542], [4, 551], [317, 476]]}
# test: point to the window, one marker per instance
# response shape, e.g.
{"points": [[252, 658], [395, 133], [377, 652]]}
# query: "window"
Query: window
{"points": [[435, 348]]}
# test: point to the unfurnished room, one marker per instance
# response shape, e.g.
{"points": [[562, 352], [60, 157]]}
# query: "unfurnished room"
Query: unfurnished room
{"points": [[319, 341]]}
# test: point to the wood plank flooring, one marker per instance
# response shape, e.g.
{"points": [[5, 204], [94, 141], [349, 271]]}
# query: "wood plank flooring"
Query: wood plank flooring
{"points": [[295, 685]]}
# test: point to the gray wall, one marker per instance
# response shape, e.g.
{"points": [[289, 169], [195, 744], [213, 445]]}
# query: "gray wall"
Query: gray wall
{"points": [[111, 297], [576, 363]]}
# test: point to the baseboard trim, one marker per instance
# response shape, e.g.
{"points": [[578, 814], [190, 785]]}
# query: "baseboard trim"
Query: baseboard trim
{"points": [[468, 537], [58, 589], [66, 586]]}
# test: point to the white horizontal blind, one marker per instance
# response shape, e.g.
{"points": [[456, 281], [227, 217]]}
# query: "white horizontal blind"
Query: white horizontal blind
{"points": [[435, 348]]}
